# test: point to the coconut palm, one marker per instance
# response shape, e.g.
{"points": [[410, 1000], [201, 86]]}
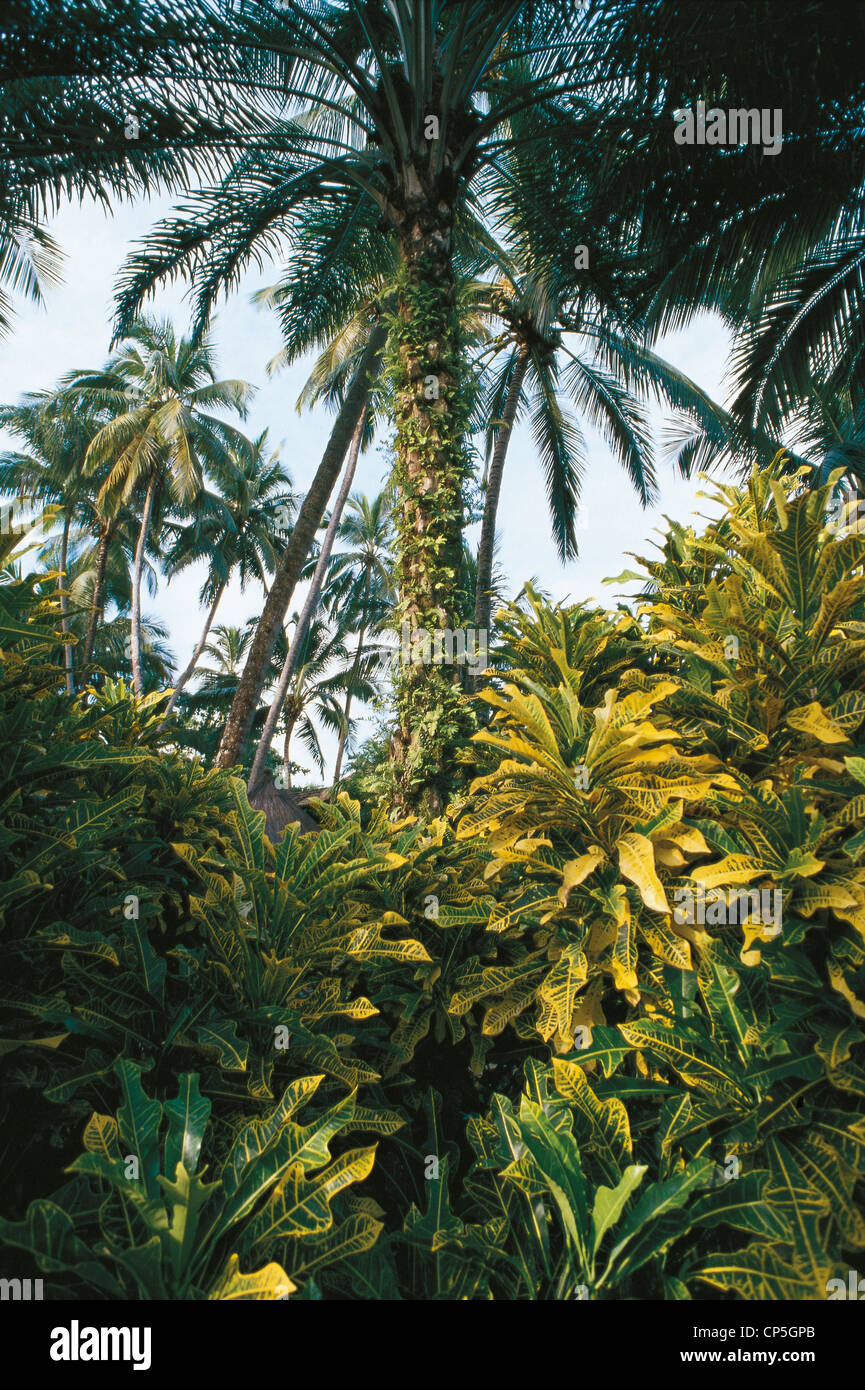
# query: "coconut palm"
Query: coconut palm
{"points": [[52, 472], [111, 653], [126, 105], [30, 262], [162, 440], [238, 530], [392, 109], [324, 673], [567, 309]]}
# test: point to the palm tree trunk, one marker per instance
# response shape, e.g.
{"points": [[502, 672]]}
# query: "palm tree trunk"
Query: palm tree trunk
{"points": [[295, 647], [193, 661], [431, 468], [493, 491], [64, 603], [135, 620], [293, 558], [102, 552]]}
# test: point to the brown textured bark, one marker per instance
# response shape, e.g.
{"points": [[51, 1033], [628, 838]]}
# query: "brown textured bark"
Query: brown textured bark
{"points": [[291, 562], [493, 491]]}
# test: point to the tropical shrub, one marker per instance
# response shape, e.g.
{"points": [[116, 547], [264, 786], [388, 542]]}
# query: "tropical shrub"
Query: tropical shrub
{"points": [[137, 1219], [631, 834], [597, 1032]]}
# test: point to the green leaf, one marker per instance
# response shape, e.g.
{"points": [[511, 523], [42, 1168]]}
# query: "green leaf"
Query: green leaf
{"points": [[187, 1120], [138, 1120], [610, 1202]]}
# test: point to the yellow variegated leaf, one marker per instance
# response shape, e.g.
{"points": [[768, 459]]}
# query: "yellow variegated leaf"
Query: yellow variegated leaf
{"points": [[100, 1135], [367, 943], [501, 1013], [838, 983], [559, 989], [813, 720], [351, 1237], [733, 868], [300, 1204], [666, 944], [365, 1206], [680, 1053], [811, 896], [269, 1282], [623, 962], [637, 863], [375, 1121], [691, 840], [756, 1274], [576, 870], [607, 1120]]}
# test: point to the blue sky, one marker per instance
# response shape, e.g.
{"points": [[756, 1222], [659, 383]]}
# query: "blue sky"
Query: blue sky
{"points": [[72, 331]]}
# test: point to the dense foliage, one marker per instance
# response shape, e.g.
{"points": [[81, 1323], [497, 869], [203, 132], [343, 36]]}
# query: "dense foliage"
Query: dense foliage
{"points": [[551, 1045]]}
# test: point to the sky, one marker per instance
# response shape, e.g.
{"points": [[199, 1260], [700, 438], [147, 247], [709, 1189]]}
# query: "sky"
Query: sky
{"points": [[72, 330]]}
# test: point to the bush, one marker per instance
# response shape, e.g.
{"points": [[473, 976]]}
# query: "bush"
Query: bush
{"points": [[599, 1028]]}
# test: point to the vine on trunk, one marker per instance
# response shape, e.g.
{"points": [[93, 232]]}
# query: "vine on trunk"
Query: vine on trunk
{"points": [[430, 386]]}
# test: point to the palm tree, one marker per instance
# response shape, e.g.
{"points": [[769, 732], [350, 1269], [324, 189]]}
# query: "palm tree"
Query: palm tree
{"points": [[776, 246], [161, 437], [239, 530], [571, 331], [550, 344], [128, 103], [324, 671], [111, 654], [53, 472], [396, 109], [30, 262], [360, 583]]}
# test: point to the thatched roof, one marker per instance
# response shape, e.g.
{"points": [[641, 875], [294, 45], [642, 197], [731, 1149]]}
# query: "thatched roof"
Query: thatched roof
{"points": [[279, 807]]}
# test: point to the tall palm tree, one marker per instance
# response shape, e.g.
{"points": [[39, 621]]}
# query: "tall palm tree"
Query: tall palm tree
{"points": [[568, 311], [111, 651], [162, 438], [238, 531], [52, 472], [398, 109]]}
